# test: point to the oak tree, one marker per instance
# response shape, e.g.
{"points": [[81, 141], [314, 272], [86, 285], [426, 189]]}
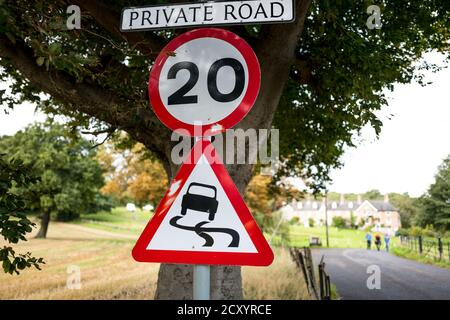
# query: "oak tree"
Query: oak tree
{"points": [[69, 176]]}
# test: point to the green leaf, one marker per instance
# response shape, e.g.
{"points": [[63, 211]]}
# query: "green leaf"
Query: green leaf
{"points": [[40, 61]]}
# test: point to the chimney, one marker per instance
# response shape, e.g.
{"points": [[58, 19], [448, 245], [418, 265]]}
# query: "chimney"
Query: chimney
{"points": [[360, 198], [342, 199], [386, 198]]}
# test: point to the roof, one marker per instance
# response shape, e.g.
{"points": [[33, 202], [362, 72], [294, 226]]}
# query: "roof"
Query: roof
{"points": [[382, 206], [341, 206]]}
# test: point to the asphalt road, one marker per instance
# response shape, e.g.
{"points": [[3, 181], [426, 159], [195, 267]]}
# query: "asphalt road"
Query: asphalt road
{"points": [[400, 278]]}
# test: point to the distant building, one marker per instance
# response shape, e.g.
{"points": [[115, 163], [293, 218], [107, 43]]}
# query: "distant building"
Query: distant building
{"points": [[382, 215]]}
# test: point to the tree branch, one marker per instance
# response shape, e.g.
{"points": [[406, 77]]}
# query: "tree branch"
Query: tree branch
{"points": [[110, 133], [301, 72], [138, 120], [148, 43], [99, 132], [276, 51]]}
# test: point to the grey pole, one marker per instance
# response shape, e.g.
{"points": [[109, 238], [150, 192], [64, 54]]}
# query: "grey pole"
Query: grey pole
{"points": [[202, 283], [326, 218], [202, 274]]}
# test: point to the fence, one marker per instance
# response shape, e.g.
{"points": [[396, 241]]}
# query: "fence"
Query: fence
{"points": [[320, 290], [430, 247]]}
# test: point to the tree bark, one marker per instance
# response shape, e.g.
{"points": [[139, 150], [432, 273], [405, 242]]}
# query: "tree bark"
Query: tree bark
{"points": [[276, 54], [45, 220]]}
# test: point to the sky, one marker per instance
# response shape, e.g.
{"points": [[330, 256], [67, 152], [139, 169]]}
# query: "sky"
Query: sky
{"points": [[411, 146]]}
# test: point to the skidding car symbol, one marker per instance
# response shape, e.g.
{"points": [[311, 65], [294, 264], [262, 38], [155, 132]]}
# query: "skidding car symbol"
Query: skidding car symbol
{"points": [[200, 202]]}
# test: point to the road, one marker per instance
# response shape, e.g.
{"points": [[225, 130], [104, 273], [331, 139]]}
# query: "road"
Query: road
{"points": [[400, 278], [203, 232]]}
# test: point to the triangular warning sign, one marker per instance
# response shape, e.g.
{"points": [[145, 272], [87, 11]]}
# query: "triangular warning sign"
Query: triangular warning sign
{"points": [[203, 219]]}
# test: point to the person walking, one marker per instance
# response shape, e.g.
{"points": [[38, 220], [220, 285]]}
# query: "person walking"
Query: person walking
{"points": [[369, 240], [387, 241], [378, 241]]}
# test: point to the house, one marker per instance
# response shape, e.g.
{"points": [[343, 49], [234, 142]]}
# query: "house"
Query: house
{"points": [[382, 215]]}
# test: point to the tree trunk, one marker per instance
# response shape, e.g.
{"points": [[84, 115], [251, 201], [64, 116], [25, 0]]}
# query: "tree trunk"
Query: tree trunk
{"points": [[45, 220], [276, 55], [175, 280]]}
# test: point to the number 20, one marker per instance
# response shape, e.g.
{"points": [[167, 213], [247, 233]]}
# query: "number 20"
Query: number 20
{"points": [[180, 97]]}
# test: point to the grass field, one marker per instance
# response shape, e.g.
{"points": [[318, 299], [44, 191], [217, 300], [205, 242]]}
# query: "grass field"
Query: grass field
{"points": [[346, 238], [100, 245], [338, 238], [409, 254], [124, 222]]}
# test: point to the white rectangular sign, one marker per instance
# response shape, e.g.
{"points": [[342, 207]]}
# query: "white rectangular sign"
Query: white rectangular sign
{"points": [[207, 13]]}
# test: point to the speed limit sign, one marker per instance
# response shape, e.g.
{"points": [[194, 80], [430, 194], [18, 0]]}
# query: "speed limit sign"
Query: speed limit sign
{"points": [[204, 81]]}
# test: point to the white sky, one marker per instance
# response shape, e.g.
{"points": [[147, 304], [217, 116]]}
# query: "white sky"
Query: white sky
{"points": [[411, 145], [405, 157]]}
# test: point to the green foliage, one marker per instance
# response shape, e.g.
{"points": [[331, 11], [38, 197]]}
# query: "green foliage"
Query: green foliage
{"points": [[274, 226], [414, 255], [408, 207], [353, 223], [70, 177], [339, 222], [353, 68], [436, 203], [14, 224], [428, 231], [373, 195], [294, 220], [311, 222]]}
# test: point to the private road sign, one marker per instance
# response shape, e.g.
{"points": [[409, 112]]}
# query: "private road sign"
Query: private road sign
{"points": [[207, 14]]}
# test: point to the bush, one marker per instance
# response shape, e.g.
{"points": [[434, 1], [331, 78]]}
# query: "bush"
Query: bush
{"points": [[353, 224], [102, 203], [415, 231], [429, 231], [339, 222], [403, 232], [311, 222], [271, 225], [294, 220]]}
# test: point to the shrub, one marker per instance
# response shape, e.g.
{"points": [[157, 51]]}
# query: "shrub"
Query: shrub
{"points": [[311, 222], [294, 220], [339, 222], [403, 232], [353, 224], [415, 231], [361, 223]]}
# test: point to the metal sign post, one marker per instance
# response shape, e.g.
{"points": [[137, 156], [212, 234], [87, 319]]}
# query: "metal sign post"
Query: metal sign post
{"points": [[201, 275], [202, 282]]}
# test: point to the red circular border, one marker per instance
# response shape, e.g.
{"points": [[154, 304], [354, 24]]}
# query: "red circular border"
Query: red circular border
{"points": [[254, 81]]}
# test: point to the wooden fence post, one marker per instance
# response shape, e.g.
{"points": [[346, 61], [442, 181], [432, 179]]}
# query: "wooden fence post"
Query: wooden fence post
{"points": [[420, 245], [321, 282], [440, 248]]}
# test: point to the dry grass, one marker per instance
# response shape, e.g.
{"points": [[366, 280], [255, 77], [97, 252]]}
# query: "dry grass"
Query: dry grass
{"points": [[109, 272], [281, 280]]}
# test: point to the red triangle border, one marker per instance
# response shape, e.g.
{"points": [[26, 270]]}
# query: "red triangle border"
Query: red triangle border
{"points": [[264, 255]]}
